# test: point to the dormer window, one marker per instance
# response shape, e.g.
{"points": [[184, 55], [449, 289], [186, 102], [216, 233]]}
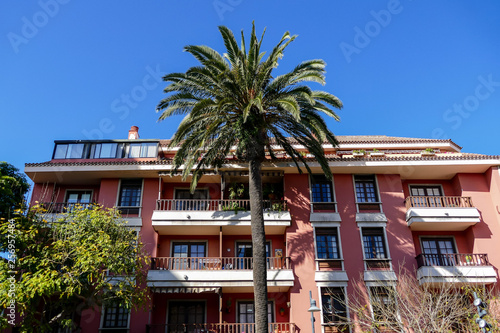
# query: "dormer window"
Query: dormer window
{"points": [[64, 151], [103, 149]]}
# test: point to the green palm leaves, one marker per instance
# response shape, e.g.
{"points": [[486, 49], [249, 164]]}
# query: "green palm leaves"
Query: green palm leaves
{"points": [[233, 100]]}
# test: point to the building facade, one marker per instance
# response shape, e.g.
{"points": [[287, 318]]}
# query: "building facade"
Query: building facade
{"points": [[417, 203]]}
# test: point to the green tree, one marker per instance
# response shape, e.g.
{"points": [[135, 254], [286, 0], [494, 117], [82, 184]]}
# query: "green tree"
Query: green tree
{"points": [[233, 100], [13, 189], [57, 269]]}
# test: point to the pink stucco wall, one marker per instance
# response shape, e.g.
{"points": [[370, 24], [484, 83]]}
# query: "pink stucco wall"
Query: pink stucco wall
{"points": [[300, 247], [484, 191], [109, 192], [399, 236]]}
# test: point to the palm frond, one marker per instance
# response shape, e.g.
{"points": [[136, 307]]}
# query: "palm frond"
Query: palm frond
{"points": [[233, 100]]}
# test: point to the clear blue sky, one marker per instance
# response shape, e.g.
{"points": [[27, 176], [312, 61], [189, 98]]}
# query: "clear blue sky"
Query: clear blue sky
{"points": [[85, 69]]}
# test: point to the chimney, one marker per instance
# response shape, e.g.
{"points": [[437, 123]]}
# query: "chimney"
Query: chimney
{"points": [[133, 134]]}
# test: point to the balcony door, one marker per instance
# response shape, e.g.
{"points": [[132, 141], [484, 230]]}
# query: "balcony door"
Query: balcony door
{"points": [[188, 255], [81, 197], [76, 197], [245, 250], [439, 251], [246, 315], [185, 316], [432, 192], [185, 200]]}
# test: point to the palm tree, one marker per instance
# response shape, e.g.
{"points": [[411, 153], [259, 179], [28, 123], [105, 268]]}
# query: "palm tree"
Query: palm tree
{"points": [[232, 102]]}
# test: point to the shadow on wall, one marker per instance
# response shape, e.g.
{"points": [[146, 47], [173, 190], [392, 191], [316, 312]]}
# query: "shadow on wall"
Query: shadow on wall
{"points": [[300, 234], [399, 235]]}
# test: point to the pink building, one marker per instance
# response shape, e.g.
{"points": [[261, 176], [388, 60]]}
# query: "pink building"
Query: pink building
{"points": [[393, 201]]}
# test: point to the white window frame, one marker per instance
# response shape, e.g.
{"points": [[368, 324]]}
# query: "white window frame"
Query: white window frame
{"points": [[111, 329], [92, 200], [328, 225], [119, 192], [342, 285], [435, 185], [172, 241], [388, 284], [243, 300], [334, 197], [382, 225], [379, 202]]}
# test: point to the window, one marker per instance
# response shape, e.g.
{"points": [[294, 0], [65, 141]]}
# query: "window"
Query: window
{"points": [[185, 316], [113, 149], [81, 197], [327, 244], [77, 197], [438, 251], [383, 304], [245, 250], [115, 318], [366, 192], [246, 313], [137, 150], [63, 151], [106, 150], [431, 195], [322, 193], [333, 305], [426, 190], [193, 252], [374, 247], [130, 196], [191, 201]]}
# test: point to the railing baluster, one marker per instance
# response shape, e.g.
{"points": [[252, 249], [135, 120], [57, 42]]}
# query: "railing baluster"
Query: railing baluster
{"points": [[214, 205], [452, 259], [435, 201], [215, 263], [219, 328]]}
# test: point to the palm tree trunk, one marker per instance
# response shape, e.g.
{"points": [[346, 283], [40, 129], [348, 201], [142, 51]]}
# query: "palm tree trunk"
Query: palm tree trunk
{"points": [[259, 246]]}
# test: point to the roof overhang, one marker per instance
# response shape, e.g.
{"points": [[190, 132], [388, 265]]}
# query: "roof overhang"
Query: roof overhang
{"points": [[408, 168]]}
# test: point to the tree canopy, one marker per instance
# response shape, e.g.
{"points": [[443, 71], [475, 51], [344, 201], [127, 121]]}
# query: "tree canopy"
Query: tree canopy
{"points": [[13, 189], [56, 269]]}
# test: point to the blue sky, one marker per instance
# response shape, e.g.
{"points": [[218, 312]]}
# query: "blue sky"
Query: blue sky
{"points": [[91, 69]]}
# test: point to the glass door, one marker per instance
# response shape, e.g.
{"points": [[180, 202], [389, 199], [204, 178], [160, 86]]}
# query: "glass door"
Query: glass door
{"points": [[188, 255], [244, 250], [191, 201], [432, 194], [246, 315], [439, 251], [81, 197], [185, 316]]}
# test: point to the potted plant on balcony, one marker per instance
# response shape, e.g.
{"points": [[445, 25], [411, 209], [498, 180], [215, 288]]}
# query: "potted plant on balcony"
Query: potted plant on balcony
{"points": [[468, 260], [376, 153], [277, 207], [428, 152], [236, 193], [358, 153]]}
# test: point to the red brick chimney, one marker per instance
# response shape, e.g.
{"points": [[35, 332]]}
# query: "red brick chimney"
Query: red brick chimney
{"points": [[133, 134]]}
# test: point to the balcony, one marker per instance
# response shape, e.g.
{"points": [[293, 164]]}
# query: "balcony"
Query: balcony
{"points": [[217, 272], [440, 213], [53, 211], [63, 207], [219, 328], [462, 268], [172, 216]]}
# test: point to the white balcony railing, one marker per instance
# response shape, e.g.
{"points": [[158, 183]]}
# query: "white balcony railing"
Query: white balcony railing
{"points": [[216, 205]]}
